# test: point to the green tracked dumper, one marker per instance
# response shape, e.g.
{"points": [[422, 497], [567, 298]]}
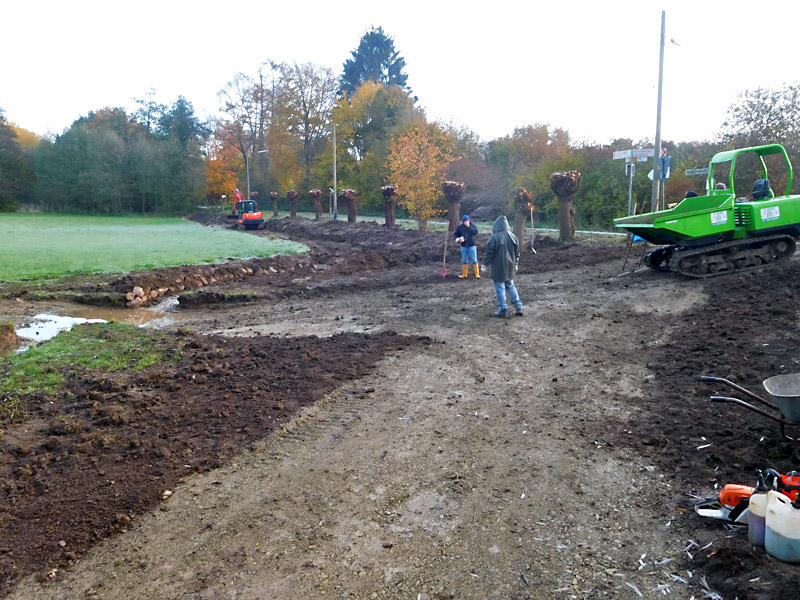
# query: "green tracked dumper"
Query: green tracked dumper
{"points": [[720, 233]]}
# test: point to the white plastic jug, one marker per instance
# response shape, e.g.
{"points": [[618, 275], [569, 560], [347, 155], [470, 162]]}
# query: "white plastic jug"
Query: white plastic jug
{"points": [[756, 518], [782, 528]]}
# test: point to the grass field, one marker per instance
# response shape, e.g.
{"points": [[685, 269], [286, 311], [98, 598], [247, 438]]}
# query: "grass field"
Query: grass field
{"points": [[38, 246]]}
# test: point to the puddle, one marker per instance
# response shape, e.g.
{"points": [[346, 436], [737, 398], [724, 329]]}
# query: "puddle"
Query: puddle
{"points": [[157, 316], [47, 326]]}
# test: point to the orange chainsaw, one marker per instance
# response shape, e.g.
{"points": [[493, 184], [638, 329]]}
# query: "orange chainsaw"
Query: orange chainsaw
{"points": [[732, 504]]}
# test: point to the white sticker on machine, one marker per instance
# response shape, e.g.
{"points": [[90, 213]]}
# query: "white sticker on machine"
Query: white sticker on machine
{"points": [[719, 218], [771, 213]]}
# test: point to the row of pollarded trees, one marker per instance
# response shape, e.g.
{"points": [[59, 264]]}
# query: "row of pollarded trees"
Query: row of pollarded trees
{"points": [[454, 192], [564, 184], [346, 196]]}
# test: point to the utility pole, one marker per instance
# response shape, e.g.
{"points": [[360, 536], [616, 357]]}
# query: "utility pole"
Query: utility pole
{"points": [[656, 167], [335, 190]]}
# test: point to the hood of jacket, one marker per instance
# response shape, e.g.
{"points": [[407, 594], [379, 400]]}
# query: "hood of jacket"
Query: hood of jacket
{"points": [[500, 224]]}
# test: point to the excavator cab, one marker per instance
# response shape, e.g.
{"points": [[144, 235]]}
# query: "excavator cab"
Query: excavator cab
{"points": [[248, 215], [245, 206]]}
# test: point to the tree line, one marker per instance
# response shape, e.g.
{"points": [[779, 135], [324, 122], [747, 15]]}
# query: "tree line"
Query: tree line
{"points": [[275, 134]]}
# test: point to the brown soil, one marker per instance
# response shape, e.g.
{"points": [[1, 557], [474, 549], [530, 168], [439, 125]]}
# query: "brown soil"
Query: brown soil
{"points": [[8, 338], [349, 423]]}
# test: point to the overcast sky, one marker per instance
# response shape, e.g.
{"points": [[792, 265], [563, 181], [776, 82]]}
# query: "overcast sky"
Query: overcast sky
{"points": [[590, 67]]}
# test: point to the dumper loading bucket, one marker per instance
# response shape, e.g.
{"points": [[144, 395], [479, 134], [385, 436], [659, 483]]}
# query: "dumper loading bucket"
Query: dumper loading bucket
{"points": [[785, 392]]}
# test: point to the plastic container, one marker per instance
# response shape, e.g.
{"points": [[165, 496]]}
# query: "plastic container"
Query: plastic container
{"points": [[782, 528], [756, 520]]}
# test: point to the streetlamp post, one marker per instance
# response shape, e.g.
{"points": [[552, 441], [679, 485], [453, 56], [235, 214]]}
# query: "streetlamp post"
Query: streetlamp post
{"points": [[247, 168]]}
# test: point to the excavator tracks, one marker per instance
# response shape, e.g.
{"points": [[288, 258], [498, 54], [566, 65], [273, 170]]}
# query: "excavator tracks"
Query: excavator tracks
{"points": [[728, 257]]}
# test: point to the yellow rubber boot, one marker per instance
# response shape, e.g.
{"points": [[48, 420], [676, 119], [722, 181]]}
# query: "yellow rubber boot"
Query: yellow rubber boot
{"points": [[464, 272], [477, 271]]}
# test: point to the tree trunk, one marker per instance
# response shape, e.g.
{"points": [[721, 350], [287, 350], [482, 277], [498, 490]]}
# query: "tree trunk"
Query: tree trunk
{"points": [[566, 219], [351, 210], [564, 185], [390, 208], [454, 192], [293, 207], [422, 224], [316, 200], [520, 217], [274, 207], [454, 215]]}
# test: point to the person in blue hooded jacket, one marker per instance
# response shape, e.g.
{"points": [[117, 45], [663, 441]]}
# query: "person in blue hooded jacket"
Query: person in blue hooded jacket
{"points": [[465, 235], [502, 259]]}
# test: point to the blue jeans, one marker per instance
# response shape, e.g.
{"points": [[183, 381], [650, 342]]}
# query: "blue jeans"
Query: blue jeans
{"points": [[500, 288], [469, 255]]}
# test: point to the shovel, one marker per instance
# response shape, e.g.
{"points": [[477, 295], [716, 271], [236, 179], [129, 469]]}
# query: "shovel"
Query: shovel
{"points": [[443, 272]]}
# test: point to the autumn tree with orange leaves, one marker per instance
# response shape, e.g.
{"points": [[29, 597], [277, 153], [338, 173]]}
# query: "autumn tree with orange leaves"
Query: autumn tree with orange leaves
{"points": [[222, 168], [418, 159]]}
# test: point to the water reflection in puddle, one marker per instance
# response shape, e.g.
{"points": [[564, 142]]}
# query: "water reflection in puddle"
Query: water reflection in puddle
{"points": [[160, 315]]}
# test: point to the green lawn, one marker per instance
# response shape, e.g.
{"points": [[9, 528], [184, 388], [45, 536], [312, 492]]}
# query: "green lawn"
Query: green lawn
{"points": [[36, 246]]}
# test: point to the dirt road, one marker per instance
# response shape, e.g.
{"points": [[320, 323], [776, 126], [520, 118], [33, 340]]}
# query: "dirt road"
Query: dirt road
{"points": [[547, 456]]}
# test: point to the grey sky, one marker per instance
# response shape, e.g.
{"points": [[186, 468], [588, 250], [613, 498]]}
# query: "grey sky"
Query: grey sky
{"points": [[588, 67]]}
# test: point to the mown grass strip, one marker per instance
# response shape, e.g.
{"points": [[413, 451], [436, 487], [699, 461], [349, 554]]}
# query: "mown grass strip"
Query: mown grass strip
{"points": [[35, 246]]}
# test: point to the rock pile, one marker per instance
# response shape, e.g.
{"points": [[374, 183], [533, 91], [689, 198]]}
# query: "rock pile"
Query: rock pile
{"points": [[141, 295]]}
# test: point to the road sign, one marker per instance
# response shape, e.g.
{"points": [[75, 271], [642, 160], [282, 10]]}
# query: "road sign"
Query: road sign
{"points": [[662, 174], [643, 152], [638, 154], [663, 166], [697, 171]]}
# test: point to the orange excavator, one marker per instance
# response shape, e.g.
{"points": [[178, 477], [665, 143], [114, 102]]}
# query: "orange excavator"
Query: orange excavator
{"points": [[246, 212]]}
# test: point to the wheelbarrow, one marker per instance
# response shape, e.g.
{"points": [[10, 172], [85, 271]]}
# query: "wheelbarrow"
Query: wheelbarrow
{"points": [[785, 393]]}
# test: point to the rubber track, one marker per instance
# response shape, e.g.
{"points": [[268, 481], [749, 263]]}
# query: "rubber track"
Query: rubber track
{"points": [[719, 250]]}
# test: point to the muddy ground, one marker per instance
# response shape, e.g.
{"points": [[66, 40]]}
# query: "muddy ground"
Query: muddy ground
{"points": [[349, 423]]}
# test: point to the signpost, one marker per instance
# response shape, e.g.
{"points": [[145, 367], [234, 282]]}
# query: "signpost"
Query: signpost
{"points": [[703, 171], [664, 173], [640, 154], [632, 156]]}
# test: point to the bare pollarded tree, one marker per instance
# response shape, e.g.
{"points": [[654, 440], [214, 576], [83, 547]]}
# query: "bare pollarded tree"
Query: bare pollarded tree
{"points": [[348, 197], [292, 196], [454, 192], [522, 206], [389, 203], [564, 185], [316, 199], [274, 197]]}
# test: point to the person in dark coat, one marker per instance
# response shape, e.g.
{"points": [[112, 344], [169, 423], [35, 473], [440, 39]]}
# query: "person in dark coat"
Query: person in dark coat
{"points": [[502, 259], [465, 234]]}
